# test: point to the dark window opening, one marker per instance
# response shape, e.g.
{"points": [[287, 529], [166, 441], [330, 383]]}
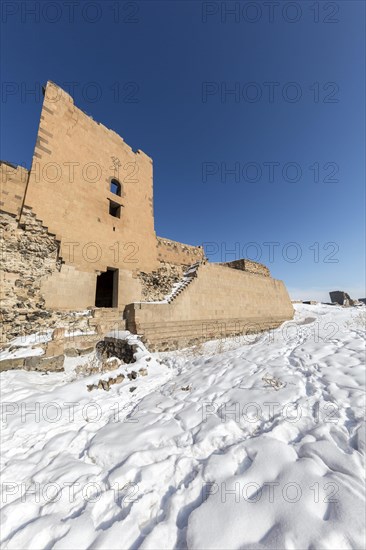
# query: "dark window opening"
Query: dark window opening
{"points": [[115, 187], [106, 294], [114, 209]]}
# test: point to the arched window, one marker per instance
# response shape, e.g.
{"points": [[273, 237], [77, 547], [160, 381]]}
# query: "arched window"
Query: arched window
{"points": [[115, 187]]}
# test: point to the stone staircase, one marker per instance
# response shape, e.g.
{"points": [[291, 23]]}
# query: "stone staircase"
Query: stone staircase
{"points": [[188, 277]]}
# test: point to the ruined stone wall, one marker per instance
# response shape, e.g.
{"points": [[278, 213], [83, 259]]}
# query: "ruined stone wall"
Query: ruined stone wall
{"points": [[30, 255], [218, 302], [177, 253], [13, 182], [249, 266], [159, 283]]}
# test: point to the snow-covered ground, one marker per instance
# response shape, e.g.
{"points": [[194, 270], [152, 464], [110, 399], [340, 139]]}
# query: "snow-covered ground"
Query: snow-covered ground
{"points": [[254, 442]]}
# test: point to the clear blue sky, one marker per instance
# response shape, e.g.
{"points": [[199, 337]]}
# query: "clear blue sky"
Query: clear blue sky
{"points": [[177, 60]]}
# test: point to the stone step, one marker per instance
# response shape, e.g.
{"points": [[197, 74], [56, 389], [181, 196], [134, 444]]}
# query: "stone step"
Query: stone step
{"points": [[107, 313]]}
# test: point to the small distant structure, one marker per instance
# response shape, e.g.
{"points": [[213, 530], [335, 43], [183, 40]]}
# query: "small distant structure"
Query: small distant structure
{"points": [[342, 298], [363, 300]]}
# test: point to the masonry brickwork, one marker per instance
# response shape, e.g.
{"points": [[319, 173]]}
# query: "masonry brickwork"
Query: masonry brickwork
{"points": [[218, 303], [78, 234], [249, 266]]}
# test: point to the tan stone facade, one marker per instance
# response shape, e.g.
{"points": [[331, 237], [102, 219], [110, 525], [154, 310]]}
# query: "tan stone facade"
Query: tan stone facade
{"points": [[218, 302], [90, 197], [74, 161]]}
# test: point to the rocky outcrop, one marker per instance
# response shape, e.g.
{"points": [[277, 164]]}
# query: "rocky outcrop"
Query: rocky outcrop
{"points": [[176, 253]]}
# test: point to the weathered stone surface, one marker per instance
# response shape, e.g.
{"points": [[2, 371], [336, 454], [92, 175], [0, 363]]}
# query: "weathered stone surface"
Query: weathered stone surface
{"points": [[114, 347], [30, 254], [176, 253], [53, 364], [249, 266], [159, 283], [10, 364]]}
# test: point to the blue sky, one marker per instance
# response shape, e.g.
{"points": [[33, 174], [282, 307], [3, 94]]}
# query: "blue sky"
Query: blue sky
{"points": [[279, 160]]}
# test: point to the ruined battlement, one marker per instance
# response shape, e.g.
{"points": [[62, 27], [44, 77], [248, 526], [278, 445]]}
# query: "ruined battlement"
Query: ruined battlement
{"points": [[249, 266], [178, 253]]}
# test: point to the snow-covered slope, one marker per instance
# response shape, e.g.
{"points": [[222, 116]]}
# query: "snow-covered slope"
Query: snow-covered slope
{"points": [[254, 442]]}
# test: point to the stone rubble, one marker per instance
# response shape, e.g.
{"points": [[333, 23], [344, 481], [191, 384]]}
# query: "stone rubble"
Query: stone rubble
{"points": [[29, 253], [158, 284]]}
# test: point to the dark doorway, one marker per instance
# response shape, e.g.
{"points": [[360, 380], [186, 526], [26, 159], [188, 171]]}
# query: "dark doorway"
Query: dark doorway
{"points": [[107, 289]]}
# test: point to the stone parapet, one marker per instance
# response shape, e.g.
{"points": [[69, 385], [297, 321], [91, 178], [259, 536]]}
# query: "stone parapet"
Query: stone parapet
{"points": [[233, 299], [248, 265], [178, 253]]}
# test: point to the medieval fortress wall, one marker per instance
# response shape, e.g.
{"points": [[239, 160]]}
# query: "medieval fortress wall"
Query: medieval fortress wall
{"points": [[218, 302], [64, 229]]}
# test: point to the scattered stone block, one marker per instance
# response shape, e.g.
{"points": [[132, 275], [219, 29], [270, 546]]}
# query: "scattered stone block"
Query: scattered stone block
{"points": [[10, 364], [340, 297]]}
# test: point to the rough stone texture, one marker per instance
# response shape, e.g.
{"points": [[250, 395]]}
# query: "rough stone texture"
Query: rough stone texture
{"points": [[114, 347], [177, 253], [249, 266], [36, 363], [11, 364], [340, 297], [52, 364], [29, 253], [159, 283]]}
